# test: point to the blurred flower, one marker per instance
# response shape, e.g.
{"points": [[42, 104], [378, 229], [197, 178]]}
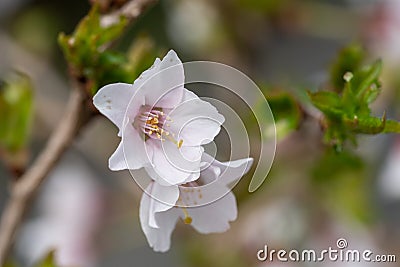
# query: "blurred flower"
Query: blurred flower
{"points": [[382, 31], [284, 215], [154, 109], [188, 17], [389, 181], [158, 218], [70, 216]]}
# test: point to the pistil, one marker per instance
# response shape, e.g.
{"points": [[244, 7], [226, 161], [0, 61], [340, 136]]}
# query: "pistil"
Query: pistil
{"points": [[153, 124]]}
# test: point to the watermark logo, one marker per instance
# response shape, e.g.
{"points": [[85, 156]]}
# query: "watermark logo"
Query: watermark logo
{"points": [[340, 253]]}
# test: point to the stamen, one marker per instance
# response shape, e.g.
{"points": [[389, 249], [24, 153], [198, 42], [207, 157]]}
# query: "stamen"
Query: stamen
{"points": [[153, 122], [177, 143], [187, 219]]}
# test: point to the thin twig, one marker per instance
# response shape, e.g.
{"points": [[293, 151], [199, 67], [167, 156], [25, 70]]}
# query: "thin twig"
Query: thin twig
{"points": [[26, 187], [131, 10], [78, 112]]}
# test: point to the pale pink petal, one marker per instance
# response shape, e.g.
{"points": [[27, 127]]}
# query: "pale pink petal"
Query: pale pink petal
{"points": [[195, 121], [163, 198], [230, 171], [209, 174], [117, 160], [132, 152], [173, 166], [158, 238], [214, 217], [112, 101], [162, 84]]}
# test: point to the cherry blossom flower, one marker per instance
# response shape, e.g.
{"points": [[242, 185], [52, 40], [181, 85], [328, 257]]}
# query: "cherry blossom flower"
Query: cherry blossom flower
{"points": [[161, 123], [69, 216], [207, 204]]}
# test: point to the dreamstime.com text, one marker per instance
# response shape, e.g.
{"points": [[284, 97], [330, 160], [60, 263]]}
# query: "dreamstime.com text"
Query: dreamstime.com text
{"points": [[338, 254]]}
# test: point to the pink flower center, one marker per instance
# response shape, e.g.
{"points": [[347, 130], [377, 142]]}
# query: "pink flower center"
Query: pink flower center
{"points": [[154, 124]]}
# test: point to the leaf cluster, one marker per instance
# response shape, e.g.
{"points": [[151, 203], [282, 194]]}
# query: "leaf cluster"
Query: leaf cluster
{"points": [[88, 54], [16, 99], [286, 111], [347, 108]]}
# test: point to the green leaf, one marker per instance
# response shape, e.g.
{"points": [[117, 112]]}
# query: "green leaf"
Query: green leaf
{"points": [[347, 111], [269, 8], [371, 94], [84, 46], [349, 60], [336, 134], [328, 102], [16, 99], [367, 78], [332, 165], [366, 125], [349, 99], [287, 113], [10, 264], [48, 261], [392, 127], [340, 178]]}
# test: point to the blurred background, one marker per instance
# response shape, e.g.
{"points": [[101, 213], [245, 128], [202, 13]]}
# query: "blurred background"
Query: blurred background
{"points": [[312, 197]]}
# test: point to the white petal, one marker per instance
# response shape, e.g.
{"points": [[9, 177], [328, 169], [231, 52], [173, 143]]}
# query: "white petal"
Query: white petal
{"points": [[173, 166], [158, 238], [163, 198], [214, 217], [210, 174], [230, 171], [162, 84], [132, 152], [112, 101], [117, 160], [195, 121]]}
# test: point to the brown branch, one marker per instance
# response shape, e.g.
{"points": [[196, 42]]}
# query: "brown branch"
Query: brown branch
{"points": [[25, 188], [131, 10], [78, 113]]}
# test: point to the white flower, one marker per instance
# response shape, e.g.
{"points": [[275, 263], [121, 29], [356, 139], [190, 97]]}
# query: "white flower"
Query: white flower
{"points": [[160, 122], [158, 218]]}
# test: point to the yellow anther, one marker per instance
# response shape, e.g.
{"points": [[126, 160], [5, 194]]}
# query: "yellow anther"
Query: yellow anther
{"points": [[188, 220], [154, 125]]}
